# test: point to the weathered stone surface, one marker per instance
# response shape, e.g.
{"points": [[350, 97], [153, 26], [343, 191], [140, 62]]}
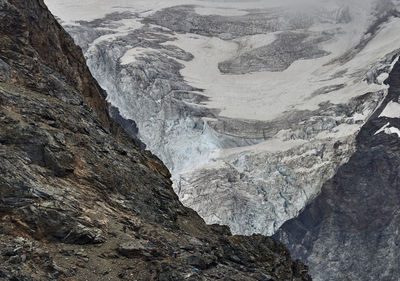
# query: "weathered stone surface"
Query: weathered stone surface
{"points": [[350, 231], [77, 193], [132, 249]]}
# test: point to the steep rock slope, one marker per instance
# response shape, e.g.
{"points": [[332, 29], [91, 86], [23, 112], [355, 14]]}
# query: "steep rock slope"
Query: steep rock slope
{"points": [[252, 105], [351, 230], [79, 199]]}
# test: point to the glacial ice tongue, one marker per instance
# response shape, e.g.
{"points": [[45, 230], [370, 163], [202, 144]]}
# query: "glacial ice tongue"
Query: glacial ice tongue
{"points": [[252, 105]]}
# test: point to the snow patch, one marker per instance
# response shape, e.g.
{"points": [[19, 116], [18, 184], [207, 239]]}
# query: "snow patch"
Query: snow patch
{"points": [[267, 95], [382, 129], [131, 55], [382, 77], [340, 131], [392, 130], [392, 110], [388, 130], [205, 11]]}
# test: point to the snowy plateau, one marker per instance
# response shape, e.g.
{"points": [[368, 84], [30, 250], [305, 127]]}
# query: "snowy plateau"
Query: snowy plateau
{"points": [[252, 105]]}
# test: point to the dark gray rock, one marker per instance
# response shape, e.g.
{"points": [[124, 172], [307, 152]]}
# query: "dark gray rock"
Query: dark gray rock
{"points": [[132, 249], [184, 19], [277, 56], [201, 261], [4, 69], [350, 231], [71, 178]]}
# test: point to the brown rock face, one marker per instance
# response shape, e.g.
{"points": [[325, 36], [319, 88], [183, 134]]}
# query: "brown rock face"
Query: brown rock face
{"points": [[56, 50], [79, 199]]}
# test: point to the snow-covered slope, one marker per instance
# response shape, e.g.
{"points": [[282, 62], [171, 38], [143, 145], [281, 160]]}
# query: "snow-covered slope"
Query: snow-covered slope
{"points": [[350, 231], [253, 105]]}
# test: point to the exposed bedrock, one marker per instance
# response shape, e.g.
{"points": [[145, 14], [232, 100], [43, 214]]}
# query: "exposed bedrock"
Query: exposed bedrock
{"points": [[350, 231], [79, 198]]}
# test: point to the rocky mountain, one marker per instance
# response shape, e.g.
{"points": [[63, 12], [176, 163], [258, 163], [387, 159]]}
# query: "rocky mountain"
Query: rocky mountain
{"points": [[351, 230], [79, 198], [252, 105], [259, 109]]}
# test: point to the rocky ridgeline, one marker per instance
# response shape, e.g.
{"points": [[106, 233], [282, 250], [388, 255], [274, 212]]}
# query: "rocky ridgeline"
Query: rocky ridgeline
{"points": [[79, 198]]}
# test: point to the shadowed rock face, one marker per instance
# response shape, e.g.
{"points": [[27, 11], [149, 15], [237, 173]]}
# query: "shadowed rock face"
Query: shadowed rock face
{"points": [[79, 198], [351, 229]]}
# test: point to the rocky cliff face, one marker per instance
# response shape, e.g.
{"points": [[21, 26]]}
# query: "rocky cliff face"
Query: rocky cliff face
{"points": [[254, 107], [351, 230], [79, 198]]}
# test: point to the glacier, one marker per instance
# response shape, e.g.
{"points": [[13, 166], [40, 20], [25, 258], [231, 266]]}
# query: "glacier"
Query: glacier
{"points": [[252, 105]]}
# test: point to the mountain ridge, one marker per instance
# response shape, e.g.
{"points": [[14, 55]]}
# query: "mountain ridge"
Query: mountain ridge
{"points": [[79, 198]]}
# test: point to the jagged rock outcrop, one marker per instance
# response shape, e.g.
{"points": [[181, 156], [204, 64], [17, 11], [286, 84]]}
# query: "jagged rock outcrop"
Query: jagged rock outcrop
{"points": [[79, 198], [351, 230]]}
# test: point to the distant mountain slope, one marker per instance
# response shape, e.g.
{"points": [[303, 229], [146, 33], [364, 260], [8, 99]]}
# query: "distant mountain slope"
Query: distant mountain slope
{"points": [[79, 199], [252, 105], [351, 230]]}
